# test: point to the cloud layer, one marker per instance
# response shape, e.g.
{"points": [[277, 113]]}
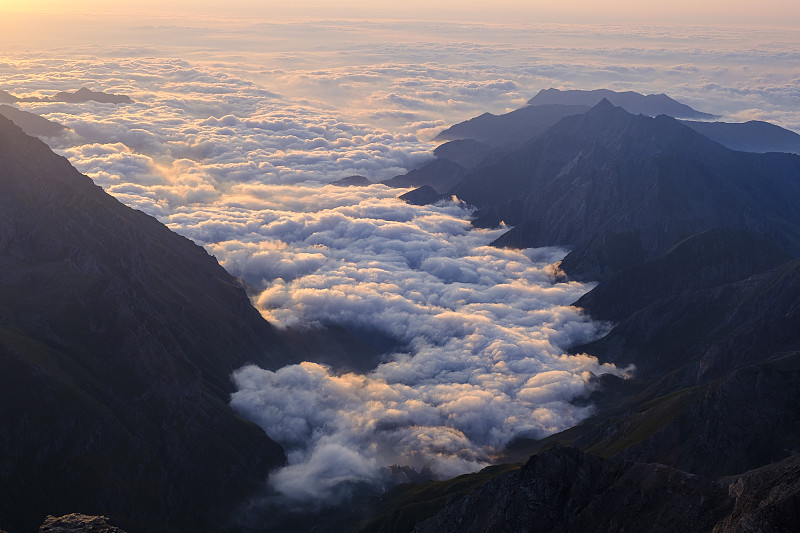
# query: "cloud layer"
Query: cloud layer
{"points": [[234, 148], [485, 328]]}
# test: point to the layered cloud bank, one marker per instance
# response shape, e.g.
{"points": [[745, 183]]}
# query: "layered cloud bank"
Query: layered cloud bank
{"points": [[485, 328], [234, 149]]}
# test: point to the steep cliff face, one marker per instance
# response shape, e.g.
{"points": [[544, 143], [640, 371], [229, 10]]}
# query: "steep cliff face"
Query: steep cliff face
{"points": [[117, 339]]}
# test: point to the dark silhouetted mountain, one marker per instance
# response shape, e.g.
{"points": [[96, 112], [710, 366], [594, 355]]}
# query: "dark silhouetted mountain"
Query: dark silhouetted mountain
{"points": [[510, 129], [746, 419], [117, 339], [85, 95], [31, 123], [551, 105], [81, 95], [696, 246], [564, 490], [633, 102], [352, 181], [751, 136], [608, 173], [440, 174]]}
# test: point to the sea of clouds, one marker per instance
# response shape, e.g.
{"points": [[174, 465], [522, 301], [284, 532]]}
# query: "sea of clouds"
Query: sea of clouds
{"points": [[236, 147]]}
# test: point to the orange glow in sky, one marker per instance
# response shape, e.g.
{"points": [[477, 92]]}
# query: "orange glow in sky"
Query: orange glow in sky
{"points": [[783, 12]]}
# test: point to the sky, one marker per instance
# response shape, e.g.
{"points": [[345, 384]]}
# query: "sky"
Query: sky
{"points": [[781, 12], [241, 121]]}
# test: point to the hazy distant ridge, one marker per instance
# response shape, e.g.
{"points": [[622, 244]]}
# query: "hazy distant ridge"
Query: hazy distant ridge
{"points": [[81, 95], [633, 102]]}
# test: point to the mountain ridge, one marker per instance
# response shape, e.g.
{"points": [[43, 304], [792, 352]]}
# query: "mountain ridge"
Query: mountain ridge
{"points": [[114, 384], [633, 102], [695, 247]]}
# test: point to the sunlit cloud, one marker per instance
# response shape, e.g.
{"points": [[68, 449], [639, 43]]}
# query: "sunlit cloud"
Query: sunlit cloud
{"points": [[238, 126]]}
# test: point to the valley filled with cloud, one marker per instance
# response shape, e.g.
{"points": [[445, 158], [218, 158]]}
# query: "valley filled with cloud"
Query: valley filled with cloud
{"points": [[236, 146]]}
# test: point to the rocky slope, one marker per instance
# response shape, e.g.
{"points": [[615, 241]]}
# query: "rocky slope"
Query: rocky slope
{"points": [[645, 182], [78, 523], [565, 490], [696, 247], [117, 338]]}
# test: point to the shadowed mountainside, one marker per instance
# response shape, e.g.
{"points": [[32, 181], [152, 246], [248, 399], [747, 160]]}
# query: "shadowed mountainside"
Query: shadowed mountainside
{"points": [[697, 249], [117, 338], [650, 181], [565, 490]]}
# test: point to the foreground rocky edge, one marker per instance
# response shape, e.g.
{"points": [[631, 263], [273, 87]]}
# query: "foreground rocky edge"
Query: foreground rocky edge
{"points": [[566, 490]]}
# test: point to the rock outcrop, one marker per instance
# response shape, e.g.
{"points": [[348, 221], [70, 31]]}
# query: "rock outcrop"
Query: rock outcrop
{"points": [[78, 523]]}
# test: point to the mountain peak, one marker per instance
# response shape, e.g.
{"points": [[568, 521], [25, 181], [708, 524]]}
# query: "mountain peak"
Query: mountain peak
{"points": [[605, 105], [633, 102]]}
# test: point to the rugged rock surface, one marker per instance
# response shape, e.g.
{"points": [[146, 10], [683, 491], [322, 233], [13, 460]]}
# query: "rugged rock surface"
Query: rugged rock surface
{"points": [[767, 499], [565, 490], [117, 338], [78, 523], [697, 248]]}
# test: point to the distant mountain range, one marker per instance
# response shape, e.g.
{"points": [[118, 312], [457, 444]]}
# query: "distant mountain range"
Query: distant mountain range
{"points": [[651, 105], [512, 128], [618, 188], [551, 105], [697, 249], [81, 95]]}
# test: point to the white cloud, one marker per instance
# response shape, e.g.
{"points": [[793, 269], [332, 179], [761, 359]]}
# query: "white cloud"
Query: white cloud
{"points": [[233, 147], [485, 328]]}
